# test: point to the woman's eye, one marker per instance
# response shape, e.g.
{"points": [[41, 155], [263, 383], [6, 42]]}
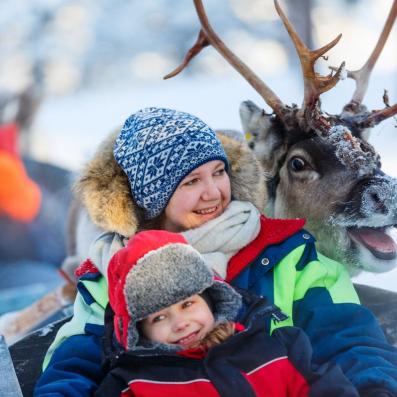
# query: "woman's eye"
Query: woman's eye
{"points": [[219, 172], [298, 164], [191, 182]]}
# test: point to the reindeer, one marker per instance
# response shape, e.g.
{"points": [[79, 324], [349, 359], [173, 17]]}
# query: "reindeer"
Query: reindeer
{"points": [[320, 166]]}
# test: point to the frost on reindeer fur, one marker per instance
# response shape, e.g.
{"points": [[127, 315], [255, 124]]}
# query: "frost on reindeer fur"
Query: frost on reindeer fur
{"points": [[386, 191], [349, 151]]}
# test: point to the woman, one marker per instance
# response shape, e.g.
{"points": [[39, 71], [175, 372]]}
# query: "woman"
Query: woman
{"points": [[168, 170]]}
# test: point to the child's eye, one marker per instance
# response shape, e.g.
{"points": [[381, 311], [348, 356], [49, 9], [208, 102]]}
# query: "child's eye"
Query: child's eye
{"points": [[187, 304], [158, 318]]}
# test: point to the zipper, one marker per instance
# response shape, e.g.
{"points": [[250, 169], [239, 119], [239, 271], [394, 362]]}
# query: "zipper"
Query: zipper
{"points": [[275, 313], [278, 315], [271, 313]]}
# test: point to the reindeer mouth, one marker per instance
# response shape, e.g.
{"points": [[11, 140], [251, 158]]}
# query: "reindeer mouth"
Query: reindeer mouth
{"points": [[376, 240]]}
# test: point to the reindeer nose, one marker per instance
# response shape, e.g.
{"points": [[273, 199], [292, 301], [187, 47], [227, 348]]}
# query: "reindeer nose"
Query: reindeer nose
{"points": [[377, 202], [379, 197]]}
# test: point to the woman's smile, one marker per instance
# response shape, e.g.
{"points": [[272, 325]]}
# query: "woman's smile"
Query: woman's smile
{"points": [[206, 211]]}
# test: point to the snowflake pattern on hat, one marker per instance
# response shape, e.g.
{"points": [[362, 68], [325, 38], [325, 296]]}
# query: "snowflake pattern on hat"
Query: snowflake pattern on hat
{"points": [[157, 148]]}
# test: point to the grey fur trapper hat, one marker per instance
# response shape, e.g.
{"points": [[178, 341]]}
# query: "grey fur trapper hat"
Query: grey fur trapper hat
{"points": [[158, 269]]}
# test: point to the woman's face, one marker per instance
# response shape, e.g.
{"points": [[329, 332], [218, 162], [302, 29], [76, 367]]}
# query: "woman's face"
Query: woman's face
{"points": [[201, 196]]}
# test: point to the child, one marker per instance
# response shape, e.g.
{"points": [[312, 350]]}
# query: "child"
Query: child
{"points": [[176, 335]]}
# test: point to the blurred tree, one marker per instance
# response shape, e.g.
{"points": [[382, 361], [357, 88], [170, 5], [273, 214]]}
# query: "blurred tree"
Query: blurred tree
{"points": [[299, 12]]}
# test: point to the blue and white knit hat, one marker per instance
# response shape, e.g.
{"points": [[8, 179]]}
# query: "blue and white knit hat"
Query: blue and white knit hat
{"points": [[157, 148]]}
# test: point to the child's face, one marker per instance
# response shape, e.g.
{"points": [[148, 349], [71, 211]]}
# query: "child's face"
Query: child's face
{"points": [[184, 323], [202, 195]]}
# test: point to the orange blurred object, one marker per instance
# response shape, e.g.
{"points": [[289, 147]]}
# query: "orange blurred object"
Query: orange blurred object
{"points": [[20, 197]]}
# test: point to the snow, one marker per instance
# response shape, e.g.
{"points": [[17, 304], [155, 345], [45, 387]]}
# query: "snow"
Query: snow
{"points": [[349, 152], [46, 330]]}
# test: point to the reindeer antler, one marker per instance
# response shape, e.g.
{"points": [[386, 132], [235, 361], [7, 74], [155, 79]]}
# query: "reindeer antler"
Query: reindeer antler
{"points": [[374, 118], [361, 118], [314, 84], [200, 43], [208, 36], [362, 75]]}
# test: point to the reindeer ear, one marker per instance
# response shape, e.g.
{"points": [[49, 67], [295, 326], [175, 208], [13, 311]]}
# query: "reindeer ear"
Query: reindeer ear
{"points": [[249, 115], [263, 137]]}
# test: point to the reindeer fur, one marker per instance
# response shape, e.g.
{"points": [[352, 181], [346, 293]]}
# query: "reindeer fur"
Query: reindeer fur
{"points": [[334, 197]]}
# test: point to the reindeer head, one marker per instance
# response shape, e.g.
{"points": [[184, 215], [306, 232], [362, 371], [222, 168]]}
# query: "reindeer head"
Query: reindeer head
{"points": [[320, 166]]}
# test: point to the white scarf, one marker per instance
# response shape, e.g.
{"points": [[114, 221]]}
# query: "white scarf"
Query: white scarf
{"points": [[221, 238], [217, 240]]}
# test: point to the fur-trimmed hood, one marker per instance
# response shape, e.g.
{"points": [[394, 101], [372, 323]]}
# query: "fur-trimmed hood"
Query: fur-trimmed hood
{"points": [[105, 193]]}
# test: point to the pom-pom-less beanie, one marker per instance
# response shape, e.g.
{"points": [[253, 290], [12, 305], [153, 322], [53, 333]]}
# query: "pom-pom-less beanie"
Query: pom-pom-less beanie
{"points": [[157, 148]]}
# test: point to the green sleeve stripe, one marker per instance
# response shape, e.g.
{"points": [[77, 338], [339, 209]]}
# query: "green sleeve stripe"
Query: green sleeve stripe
{"points": [[83, 314], [98, 290], [329, 274], [291, 285], [284, 284]]}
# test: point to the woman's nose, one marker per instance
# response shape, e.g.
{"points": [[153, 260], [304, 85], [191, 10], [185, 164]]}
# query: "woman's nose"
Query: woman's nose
{"points": [[211, 190]]}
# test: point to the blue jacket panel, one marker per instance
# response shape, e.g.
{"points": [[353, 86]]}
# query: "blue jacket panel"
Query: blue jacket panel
{"points": [[339, 329], [74, 370]]}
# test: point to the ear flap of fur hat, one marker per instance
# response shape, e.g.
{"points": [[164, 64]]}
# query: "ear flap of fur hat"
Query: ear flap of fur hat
{"points": [[104, 189], [156, 270]]}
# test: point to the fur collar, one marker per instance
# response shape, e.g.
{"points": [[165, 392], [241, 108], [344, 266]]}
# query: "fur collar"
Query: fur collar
{"points": [[104, 191]]}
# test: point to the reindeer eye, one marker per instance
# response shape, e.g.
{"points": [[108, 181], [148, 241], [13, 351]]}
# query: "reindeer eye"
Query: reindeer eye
{"points": [[298, 164]]}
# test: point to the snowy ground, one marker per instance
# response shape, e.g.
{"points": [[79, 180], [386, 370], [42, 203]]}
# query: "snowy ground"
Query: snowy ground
{"points": [[68, 129]]}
